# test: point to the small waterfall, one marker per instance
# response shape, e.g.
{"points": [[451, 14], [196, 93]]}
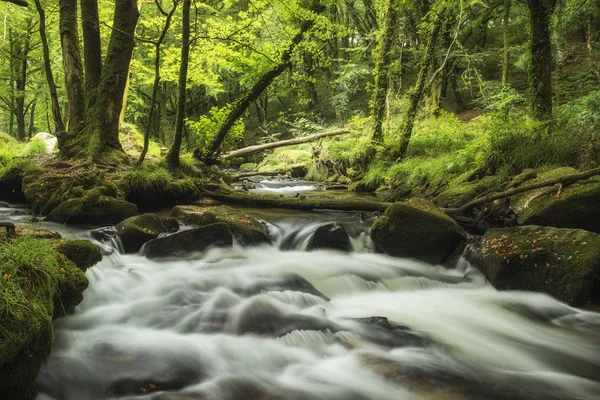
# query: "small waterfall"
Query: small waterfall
{"points": [[109, 238]]}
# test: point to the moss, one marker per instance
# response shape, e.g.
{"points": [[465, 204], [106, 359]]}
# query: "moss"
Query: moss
{"points": [[460, 194], [244, 227], [248, 167], [83, 253], [560, 262], [417, 229], [11, 178], [93, 208], [136, 231], [34, 280], [523, 177]]}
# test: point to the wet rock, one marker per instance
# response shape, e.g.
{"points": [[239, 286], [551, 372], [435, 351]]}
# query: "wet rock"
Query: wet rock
{"points": [[417, 229], [184, 243], [246, 229], [83, 253], [298, 170], [560, 262], [136, 231], [331, 236], [94, 208], [380, 331], [170, 223], [576, 206], [4, 205]]}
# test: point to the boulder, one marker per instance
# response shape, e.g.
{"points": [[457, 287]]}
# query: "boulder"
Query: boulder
{"points": [[560, 262], [94, 208], [417, 229], [576, 206], [297, 170], [187, 242], [48, 140], [245, 228], [462, 193], [330, 236], [83, 253], [136, 231]]}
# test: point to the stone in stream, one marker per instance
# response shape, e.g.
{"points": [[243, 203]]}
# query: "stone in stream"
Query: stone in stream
{"points": [[563, 263], [83, 253], [4, 205], [417, 229], [135, 231], [331, 236], [244, 227], [184, 243], [576, 206]]}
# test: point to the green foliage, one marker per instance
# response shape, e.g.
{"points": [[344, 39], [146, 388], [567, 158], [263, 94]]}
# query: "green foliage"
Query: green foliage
{"points": [[35, 147], [205, 129]]}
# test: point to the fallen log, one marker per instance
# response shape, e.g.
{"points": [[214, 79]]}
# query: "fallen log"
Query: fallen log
{"points": [[251, 174], [563, 180], [282, 143], [297, 203]]}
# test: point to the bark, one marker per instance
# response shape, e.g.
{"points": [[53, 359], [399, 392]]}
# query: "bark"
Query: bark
{"points": [[21, 3], [154, 112], [568, 179], [22, 57], [104, 107], [296, 203], [92, 49], [59, 125], [263, 82], [417, 91], [540, 12], [69, 38], [32, 119], [290, 142], [381, 73], [506, 54], [173, 155]]}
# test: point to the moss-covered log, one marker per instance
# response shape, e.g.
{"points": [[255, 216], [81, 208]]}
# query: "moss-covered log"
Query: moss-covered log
{"points": [[297, 203]]}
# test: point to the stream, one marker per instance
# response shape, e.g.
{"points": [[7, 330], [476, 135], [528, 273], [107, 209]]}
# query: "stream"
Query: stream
{"points": [[279, 322]]}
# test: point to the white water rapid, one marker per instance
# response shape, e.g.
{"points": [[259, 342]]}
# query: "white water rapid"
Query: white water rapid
{"points": [[270, 323]]}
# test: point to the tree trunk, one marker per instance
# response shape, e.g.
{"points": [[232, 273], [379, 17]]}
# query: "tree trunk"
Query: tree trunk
{"points": [[540, 12], [154, 112], [263, 82], [417, 91], [381, 73], [71, 55], [173, 155], [59, 125], [92, 49], [22, 56], [32, 119], [102, 117], [506, 58], [282, 143]]}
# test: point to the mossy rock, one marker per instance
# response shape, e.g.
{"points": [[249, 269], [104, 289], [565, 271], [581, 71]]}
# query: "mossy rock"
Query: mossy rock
{"points": [[176, 191], [460, 194], [245, 228], [416, 229], [93, 209], [187, 242], [136, 231], [560, 262], [577, 206], [297, 170], [362, 186], [38, 284], [248, 167], [523, 177], [83, 253], [11, 183], [330, 236]]}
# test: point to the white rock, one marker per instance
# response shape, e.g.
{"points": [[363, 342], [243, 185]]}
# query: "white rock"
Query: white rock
{"points": [[49, 140]]}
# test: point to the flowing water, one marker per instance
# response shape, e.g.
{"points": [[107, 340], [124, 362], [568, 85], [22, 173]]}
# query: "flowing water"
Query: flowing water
{"points": [[279, 322]]}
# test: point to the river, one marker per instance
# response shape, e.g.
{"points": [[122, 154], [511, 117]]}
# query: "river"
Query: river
{"points": [[279, 322]]}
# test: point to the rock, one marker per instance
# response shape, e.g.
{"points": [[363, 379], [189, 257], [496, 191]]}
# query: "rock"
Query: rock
{"points": [[459, 195], [186, 242], [362, 186], [336, 187], [48, 140], [417, 229], [172, 192], [245, 228], [297, 170], [577, 206], [248, 167], [518, 180], [83, 253], [330, 236], [170, 223], [560, 262], [94, 208], [136, 231], [73, 282], [4, 205]]}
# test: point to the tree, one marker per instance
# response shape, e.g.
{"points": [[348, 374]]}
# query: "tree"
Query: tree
{"points": [[94, 108], [173, 155], [540, 12]]}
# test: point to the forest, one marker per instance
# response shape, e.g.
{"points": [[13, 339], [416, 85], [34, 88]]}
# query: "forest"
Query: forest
{"points": [[364, 161]]}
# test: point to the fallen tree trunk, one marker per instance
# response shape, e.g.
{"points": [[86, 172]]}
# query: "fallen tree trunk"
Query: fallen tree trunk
{"points": [[568, 179], [282, 143], [297, 203], [251, 174]]}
